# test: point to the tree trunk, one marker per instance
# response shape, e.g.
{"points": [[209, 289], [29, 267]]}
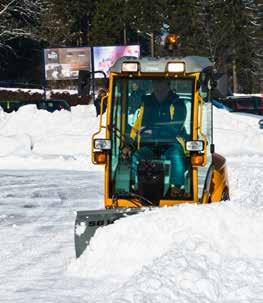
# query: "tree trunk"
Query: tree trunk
{"points": [[235, 83]]}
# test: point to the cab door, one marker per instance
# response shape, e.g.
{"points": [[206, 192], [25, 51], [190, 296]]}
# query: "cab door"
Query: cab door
{"points": [[204, 133]]}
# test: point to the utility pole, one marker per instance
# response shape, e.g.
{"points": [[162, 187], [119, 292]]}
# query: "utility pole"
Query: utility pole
{"points": [[124, 34], [235, 84], [151, 36], [152, 44]]}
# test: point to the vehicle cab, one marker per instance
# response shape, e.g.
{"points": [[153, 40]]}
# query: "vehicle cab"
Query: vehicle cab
{"points": [[197, 174]]}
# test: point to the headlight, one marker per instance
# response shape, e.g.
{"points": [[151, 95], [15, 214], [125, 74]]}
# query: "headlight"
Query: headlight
{"points": [[176, 67], [130, 67], [102, 144], [195, 146]]}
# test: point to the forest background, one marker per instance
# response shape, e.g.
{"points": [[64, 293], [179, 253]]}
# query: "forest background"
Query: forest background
{"points": [[229, 32]]}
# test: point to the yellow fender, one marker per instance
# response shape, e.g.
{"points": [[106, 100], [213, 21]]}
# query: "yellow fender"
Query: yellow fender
{"points": [[216, 185]]}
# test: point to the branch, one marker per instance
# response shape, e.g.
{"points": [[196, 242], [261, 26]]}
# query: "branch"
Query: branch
{"points": [[6, 7]]}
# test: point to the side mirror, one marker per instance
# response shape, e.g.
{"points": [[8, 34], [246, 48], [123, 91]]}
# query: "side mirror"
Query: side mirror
{"points": [[84, 81]]}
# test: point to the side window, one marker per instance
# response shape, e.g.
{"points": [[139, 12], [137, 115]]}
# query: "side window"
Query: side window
{"points": [[184, 89], [206, 113], [207, 120], [136, 90], [188, 120], [116, 123]]}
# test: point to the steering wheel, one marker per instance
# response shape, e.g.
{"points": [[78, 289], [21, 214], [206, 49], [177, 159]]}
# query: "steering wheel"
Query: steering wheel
{"points": [[126, 143], [146, 130], [158, 132]]}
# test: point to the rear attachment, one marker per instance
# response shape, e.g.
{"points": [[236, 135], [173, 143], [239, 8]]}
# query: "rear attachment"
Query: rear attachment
{"points": [[88, 221]]}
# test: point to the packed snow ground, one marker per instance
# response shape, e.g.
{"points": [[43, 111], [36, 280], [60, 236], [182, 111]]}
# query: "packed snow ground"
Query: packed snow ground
{"points": [[181, 254]]}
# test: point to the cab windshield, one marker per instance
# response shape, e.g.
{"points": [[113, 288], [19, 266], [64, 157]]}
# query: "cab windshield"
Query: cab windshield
{"points": [[151, 118]]}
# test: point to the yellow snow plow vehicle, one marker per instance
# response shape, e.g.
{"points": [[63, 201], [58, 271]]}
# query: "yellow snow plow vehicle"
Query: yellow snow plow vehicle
{"points": [[156, 142]]}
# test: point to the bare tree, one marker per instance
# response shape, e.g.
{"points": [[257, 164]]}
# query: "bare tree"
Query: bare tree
{"points": [[18, 18]]}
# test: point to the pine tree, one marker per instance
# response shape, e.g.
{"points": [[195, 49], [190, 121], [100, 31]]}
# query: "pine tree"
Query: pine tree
{"points": [[107, 23], [243, 43], [226, 28], [67, 23], [149, 19], [55, 26], [254, 11], [120, 21], [182, 21]]}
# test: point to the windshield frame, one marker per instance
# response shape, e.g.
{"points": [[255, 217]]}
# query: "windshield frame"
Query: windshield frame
{"points": [[118, 129]]}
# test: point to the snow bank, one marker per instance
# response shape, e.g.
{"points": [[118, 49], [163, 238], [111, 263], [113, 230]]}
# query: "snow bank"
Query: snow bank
{"points": [[147, 236], [237, 134], [19, 145], [60, 139], [191, 253], [41, 137]]}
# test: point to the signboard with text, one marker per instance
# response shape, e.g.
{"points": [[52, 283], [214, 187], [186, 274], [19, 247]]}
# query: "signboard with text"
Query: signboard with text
{"points": [[65, 63]]}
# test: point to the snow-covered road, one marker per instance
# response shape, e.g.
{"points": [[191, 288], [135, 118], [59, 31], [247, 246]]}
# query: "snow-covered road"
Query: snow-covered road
{"points": [[36, 220], [182, 254]]}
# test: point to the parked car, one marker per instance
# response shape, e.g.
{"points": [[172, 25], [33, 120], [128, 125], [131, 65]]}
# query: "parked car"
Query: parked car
{"points": [[10, 106], [53, 105], [49, 105], [247, 104]]}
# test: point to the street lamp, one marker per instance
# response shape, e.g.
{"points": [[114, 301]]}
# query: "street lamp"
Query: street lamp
{"points": [[151, 35]]}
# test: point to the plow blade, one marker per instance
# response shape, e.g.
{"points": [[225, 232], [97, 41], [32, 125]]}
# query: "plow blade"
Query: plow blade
{"points": [[87, 223]]}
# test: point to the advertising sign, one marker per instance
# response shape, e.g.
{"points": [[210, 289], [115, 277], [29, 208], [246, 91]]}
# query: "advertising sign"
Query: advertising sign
{"points": [[106, 56], [65, 63]]}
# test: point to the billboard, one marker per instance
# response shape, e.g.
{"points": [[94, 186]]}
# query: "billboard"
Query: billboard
{"points": [[65, 63], [106, 56]]}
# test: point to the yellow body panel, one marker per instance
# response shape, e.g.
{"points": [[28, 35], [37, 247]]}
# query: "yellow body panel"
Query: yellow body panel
{"points": [[219, 180], [137, 203]]}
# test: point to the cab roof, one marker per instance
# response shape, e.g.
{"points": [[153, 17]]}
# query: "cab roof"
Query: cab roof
{"points": [[193, 64]]}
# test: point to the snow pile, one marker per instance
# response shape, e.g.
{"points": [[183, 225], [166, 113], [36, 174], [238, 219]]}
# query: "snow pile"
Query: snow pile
{"points": [[191, 253], [45, 140], [19, 145], [181, 254], [154, 232], [62, 139], [237, 134]]}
